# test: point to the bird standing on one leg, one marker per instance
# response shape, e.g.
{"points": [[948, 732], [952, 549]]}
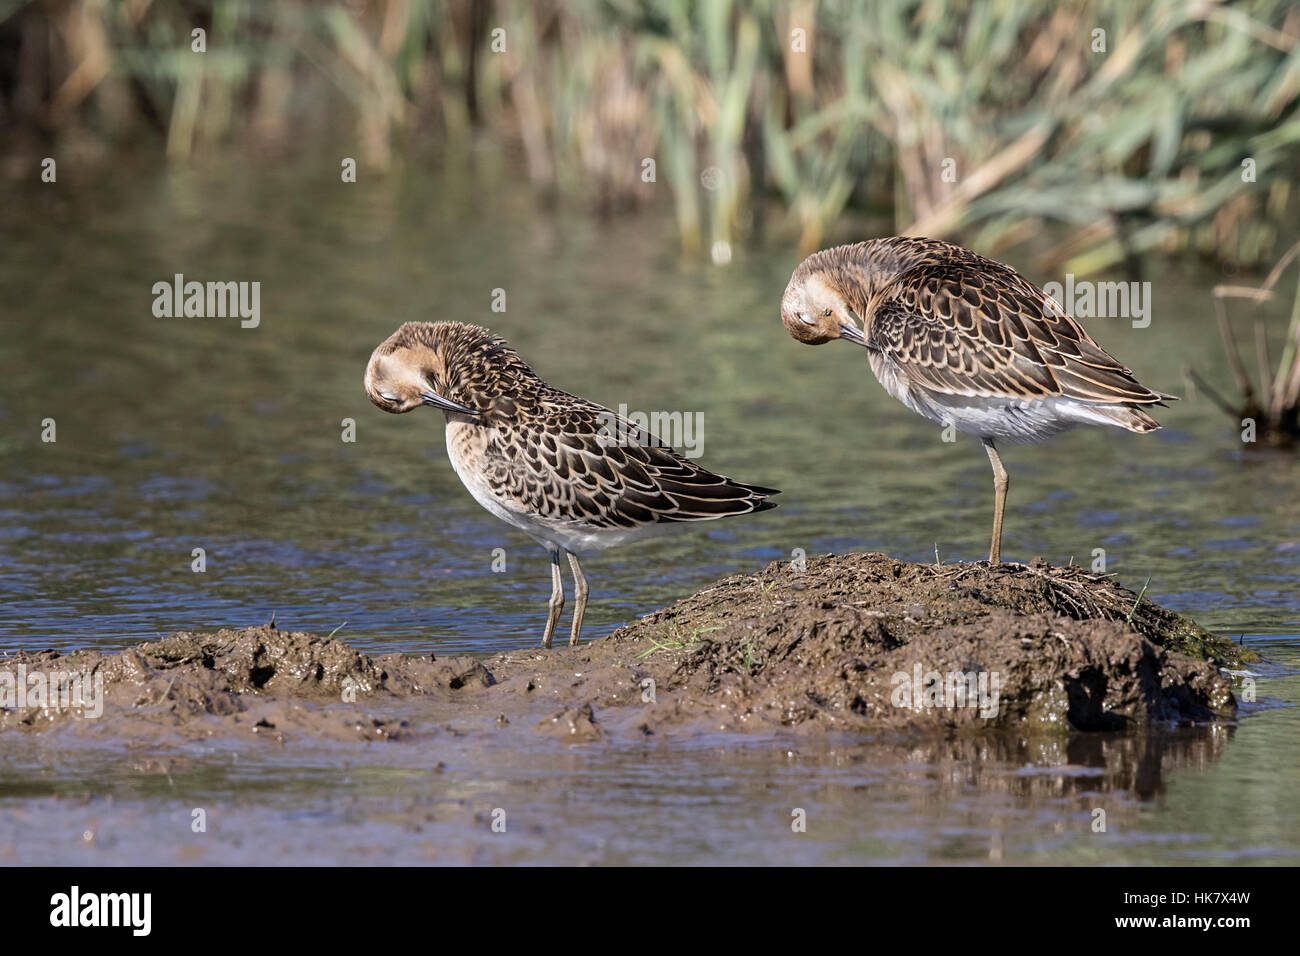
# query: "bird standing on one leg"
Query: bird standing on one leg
{"points": [[964, 341], [570, 474]]}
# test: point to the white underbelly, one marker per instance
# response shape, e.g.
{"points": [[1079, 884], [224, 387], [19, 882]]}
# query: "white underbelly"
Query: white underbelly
{"points": [[1010, 419]]}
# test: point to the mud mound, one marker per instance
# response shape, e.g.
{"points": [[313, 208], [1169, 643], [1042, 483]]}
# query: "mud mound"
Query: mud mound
{"points": [[866, 641], [230, 674], [1040, 671], [860, 642], [920, 597]]}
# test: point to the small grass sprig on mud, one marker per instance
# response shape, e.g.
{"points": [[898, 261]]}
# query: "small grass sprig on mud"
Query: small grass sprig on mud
{"points": [[677, 643], [1129, 619], [765, 595]]}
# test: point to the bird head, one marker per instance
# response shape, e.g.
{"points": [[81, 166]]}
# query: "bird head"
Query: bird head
{"points": [[815, 310], [421, 364]]}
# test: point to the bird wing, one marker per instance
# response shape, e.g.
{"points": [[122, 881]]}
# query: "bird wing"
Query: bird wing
{"points": [[577, 461], [974, 327]]}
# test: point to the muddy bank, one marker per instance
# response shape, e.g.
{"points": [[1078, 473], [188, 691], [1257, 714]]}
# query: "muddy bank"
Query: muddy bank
{"points": [[861, 643]]}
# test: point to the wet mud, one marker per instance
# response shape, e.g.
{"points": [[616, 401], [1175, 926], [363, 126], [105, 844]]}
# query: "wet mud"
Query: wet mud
{"points": [[860, 643]]}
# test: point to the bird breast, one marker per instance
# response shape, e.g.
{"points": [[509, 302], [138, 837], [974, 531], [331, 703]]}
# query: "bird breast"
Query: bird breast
{"points": [[481, 472]]}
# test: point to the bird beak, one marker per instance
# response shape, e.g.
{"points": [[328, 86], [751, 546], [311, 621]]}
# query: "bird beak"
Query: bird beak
{"points": [[853, 334], [435, 400]]}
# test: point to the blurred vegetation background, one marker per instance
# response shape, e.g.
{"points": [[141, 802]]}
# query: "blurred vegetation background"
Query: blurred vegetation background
{"points": [[1099, 130]]}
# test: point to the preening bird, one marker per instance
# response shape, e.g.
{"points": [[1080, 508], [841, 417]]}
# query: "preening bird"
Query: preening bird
{"points": [[572, 475], [965, 341]]}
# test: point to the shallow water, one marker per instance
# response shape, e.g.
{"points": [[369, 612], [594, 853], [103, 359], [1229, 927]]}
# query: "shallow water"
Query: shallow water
{"points": [[176, 434], [1208, 795]]}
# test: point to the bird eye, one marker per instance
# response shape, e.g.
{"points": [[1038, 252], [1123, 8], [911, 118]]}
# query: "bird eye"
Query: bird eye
{"points": [[827, 313]]}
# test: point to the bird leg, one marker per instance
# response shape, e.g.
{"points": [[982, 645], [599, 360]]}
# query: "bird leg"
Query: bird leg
{"points": [[580, 592], [557, 599], [1001, 482]]}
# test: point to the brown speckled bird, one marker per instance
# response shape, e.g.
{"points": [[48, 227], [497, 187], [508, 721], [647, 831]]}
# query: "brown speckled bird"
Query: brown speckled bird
{"points": [[964, 341], [570, 474]]}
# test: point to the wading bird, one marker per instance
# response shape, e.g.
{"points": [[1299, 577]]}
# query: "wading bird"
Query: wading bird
{"points": [[570, 474], [964, 341]]}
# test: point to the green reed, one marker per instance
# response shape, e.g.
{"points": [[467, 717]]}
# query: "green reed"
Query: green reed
{"points": [[999, 121]]}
